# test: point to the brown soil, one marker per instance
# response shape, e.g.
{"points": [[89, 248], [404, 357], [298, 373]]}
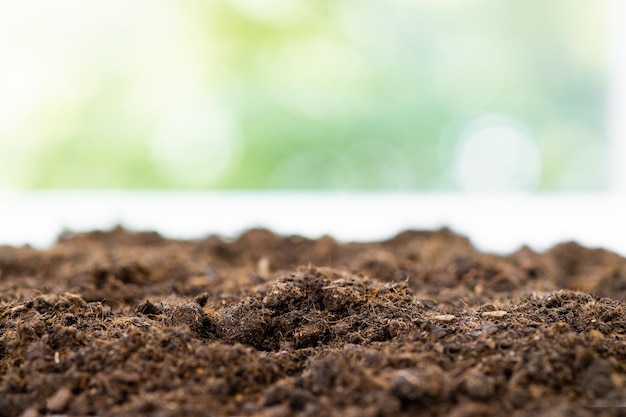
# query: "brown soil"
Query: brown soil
{"points": [[119, 323]]}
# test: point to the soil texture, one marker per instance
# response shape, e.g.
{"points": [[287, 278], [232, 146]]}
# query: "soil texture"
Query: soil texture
{"points": [[130, 324]]}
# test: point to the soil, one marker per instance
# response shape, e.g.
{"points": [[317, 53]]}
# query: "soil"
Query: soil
{"points": [[121, 323]]}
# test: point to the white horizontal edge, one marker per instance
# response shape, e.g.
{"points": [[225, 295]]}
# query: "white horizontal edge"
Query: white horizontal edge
{"points": [[494, 223]]}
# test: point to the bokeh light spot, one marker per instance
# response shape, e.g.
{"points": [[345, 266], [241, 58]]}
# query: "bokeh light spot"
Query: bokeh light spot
{"points": [[196, 144], [495, 154]]}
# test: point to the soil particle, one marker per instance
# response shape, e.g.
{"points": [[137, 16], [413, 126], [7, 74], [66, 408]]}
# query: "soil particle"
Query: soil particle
{"points": [[121, 323], [496, 314], [444, 317], [59, 400]]}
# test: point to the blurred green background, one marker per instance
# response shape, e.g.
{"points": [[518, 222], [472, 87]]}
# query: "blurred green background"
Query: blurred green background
{"points": [[295, 94]]}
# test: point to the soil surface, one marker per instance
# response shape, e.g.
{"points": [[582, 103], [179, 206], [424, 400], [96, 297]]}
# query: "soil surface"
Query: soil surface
{"points": [[127, 324]]}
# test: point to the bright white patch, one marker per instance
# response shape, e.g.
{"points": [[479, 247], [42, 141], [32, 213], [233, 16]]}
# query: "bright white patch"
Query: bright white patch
{"points": [[494, 154], [195, 145]]}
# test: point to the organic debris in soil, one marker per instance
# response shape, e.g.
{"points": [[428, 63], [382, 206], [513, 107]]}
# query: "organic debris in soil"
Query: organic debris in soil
{"points": [[120, 323]]}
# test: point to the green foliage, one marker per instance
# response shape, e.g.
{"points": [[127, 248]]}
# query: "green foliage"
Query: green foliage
{"points": [[339, 94]]}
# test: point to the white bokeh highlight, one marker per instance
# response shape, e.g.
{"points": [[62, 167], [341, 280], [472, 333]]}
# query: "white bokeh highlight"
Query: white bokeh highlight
{"points": [[196, 144], [494, 154]]}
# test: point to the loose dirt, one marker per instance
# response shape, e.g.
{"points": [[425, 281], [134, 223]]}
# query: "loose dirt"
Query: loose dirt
{"points": [[120, 323]]}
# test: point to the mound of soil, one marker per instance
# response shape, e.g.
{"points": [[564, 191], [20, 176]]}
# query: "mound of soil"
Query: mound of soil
{"points": [[120, 323]]}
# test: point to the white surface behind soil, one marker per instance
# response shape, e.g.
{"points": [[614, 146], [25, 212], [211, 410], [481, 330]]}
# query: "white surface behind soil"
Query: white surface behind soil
{"points": [[496, 223]]}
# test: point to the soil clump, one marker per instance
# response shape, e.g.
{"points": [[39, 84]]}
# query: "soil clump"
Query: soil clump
{"points": [[124, 323]]}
